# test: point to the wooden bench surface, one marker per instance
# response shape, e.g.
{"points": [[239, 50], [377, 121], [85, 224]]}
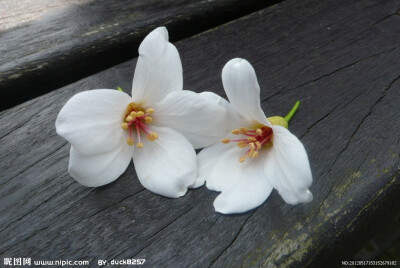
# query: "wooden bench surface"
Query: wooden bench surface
{"points": [[72, 39], [339, 57]]}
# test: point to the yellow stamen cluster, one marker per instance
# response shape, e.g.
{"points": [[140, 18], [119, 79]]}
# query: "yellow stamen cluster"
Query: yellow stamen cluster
{"points": [[236, 132], [136, 118], [130, 141], [242, 144], [252, 140], [152, 136], [251, 154]]}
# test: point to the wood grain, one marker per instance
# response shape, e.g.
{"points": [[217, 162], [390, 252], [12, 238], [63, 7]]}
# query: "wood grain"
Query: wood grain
{"points": [[340, 58], [62, 42], [15, 13]]}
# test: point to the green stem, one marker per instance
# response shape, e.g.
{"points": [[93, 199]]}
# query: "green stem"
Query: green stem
{"points": [[120, 89], [292, 112]]}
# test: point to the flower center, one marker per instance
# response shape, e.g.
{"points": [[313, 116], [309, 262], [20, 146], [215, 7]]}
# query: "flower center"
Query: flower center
{"points": [[254, 141], [136, 118]]}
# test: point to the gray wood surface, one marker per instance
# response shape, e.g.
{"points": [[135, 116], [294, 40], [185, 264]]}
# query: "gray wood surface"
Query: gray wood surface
{"points": [[16, 13], [47, 44], [339, 57]]}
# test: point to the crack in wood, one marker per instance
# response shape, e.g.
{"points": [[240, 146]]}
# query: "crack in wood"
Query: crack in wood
{"points": [[328, 114], [364, 118], [328, 74], [232, 241]]}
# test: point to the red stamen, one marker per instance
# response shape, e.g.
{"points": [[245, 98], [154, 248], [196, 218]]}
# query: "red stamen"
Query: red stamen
{"points": [[266, 139], [144, 127], [249, 135], [138, 132]]}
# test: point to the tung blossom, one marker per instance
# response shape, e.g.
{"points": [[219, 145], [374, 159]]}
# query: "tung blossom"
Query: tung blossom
{"points": [[257, 155], [162, 120]]}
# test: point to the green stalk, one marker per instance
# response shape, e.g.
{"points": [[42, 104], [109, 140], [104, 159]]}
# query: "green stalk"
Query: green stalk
{"points": [[120, 89], [292, 112]]}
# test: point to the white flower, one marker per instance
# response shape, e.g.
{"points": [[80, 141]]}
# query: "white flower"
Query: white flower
{"points": [[164, 122], [262, 156]]}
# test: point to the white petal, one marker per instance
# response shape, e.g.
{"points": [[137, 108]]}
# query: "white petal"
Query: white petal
{"points": [[166, 166], [206, 161], [244, 196], [243, 185], [97, 170], [158, 69], [241, 87], [209, 156], [296, 197], [91, 120], [287, 167], [234, 118], [225, 156], [198, 183], [202, 122]]}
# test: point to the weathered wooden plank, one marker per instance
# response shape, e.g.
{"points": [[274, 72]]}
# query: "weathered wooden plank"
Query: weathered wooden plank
{"points": [[383, 243], [16, 13], [63, 41], [340, 58]]}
